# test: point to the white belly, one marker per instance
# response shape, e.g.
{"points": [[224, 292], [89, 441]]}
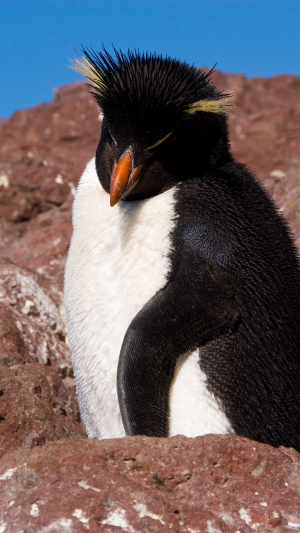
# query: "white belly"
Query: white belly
{"points": [[118, 260], [193, 409], [116, 263]]}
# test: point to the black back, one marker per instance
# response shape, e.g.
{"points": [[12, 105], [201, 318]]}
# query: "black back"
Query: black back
{"points": [[228, 218]]}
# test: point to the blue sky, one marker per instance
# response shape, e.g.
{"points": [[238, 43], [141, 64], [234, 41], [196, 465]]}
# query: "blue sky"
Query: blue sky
{"points": [[256, 37]]}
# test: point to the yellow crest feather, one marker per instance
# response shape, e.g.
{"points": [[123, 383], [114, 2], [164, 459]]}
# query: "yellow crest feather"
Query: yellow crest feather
{"points": [[210, 106], [160, 141], [83, 66]]}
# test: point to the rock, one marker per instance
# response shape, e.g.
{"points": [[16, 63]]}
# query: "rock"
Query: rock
{"points": [[43, 247], [31, 325], [43, 152], [211, 484], [35, 407]]}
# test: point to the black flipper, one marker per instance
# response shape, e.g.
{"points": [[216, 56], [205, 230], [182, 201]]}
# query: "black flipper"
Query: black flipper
{"points": [[200, 304]]}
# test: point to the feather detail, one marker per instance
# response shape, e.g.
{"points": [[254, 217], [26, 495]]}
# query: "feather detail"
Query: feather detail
{"points": [[160, 141], [86, 69], [210, 106]]}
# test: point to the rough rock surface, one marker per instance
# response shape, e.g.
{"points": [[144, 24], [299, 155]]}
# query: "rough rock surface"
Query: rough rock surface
{"points": [[211, 484], [43, 152], [36, 407], [31, 327]]}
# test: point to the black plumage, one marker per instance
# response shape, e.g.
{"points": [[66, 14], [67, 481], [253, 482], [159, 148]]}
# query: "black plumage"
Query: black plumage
{"points": [[233, 288]]}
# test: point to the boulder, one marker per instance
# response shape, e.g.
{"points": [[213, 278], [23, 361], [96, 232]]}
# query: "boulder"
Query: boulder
{"points": [[36, 407], [210, 484], [32, 326], [43, 152]]}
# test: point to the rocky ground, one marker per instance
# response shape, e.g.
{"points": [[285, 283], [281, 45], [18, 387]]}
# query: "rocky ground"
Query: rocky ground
{"points": [[51, 478]]}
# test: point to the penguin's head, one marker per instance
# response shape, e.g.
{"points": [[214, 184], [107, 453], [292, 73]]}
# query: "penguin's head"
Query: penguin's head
{"points": [[164, 121]]}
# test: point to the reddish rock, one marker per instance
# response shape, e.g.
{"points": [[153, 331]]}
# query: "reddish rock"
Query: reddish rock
{"points": [[32, 328], [211, 484], [43, 151], [43, 247], [35, 407]]}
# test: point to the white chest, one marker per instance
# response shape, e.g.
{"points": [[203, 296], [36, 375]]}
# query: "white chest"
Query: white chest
{"points": [[117, 261]]}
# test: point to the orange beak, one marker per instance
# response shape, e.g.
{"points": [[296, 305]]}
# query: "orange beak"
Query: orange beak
{"points": [[124, 178]]}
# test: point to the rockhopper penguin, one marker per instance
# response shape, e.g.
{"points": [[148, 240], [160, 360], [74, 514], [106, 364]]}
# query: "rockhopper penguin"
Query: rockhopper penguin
{"points": [[182, 282]]}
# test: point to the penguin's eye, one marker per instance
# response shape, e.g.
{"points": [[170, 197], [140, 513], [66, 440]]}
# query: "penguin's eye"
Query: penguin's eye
{"points": [[160, 141]]}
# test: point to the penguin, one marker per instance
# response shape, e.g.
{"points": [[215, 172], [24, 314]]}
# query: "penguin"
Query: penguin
{"points": [[182, 281]]}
